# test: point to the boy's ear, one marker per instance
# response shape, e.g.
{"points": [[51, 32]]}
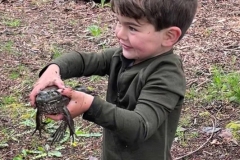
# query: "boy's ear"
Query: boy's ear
{"points": [[171, 36]]}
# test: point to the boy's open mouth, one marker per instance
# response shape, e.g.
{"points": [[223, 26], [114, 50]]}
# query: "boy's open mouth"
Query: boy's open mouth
{"points": [[125, 46]]}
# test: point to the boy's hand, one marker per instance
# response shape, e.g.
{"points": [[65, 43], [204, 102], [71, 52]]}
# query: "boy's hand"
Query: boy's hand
{"points": [[49, 78], [80, 102]]}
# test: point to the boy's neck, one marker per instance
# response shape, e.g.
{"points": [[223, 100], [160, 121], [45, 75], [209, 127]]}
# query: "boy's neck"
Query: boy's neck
{"points": [[165, 50]]}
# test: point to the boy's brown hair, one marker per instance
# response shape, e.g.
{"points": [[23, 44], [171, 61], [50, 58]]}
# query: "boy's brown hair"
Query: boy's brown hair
{"points": [[160, 13]]}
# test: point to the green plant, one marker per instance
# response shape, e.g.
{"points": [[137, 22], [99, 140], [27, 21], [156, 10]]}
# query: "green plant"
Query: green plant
{"points": [[7, 47], [8, 100], [39, 153], [185, 121], [71, 82], [9, 135], [191, 94], [94, 30], [193, 134], [180, 134], [235, 129], [14, 75], [56, 52], [18, 71], [103, 3], [28, 122], [12, 22], [225, 86], [95, 78]]}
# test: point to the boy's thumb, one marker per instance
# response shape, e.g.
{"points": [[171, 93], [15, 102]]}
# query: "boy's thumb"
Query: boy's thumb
{"points": [[66, 92], [60, 84]]}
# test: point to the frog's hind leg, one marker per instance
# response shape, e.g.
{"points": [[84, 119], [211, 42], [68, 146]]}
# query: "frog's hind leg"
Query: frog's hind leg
{"points": [[58, 135], [39, 125], [70, 122]]}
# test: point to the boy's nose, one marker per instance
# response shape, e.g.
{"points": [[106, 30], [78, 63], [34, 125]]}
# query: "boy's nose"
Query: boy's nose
{"points": [[121, 33]]}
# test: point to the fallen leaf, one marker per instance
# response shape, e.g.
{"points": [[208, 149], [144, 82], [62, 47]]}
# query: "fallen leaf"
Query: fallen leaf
{"points": [[209, 130]]}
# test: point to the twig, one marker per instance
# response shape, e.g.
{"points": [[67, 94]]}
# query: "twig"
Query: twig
{"points": [[188, 154], [9, 60], [207, 153]]}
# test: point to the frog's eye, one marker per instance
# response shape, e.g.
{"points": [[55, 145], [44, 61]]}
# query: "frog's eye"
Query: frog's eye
{"points": [[54, 93], [41, 94]]}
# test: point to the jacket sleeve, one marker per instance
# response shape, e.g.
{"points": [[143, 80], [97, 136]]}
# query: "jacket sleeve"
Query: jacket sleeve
{"points": [[158, 98], [75, 64]]}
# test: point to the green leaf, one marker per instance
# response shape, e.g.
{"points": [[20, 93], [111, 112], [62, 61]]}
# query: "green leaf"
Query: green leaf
{"points": [[34, 152], [41, 149], [89, 135], [40, 156], [24, 152], [17, 158], [59, 148], [3, 145], [55, 153], [79, 132]]}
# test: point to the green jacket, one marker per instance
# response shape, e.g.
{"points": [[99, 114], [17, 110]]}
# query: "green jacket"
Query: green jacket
{"points": [[143, 103]]}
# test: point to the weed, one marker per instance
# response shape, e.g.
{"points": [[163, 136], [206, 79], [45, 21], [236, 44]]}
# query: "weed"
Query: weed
{"points": [[193, 134], [14, 75], [103, 3], [191, 94], [222, 86], [8, 100], [12, 22], [235, 129], [225, 86], [95, 30], [38, 153], [95, 78], [56, 52], [7, 47], [9, 135], [18, 71], [71, 82], [180, 133], [185, 121]]}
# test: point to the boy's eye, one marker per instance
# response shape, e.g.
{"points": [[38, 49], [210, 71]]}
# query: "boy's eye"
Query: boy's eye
{"points": [[132, 28]]}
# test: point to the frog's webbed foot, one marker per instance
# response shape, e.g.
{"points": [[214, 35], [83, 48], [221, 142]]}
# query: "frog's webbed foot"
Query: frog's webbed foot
{"points": [[58, 135], [39, 124], [70, 122]]}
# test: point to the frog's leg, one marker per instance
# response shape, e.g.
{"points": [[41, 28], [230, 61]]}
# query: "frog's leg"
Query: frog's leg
{"points": [[68, 118], [59, 132], [38, 123]]}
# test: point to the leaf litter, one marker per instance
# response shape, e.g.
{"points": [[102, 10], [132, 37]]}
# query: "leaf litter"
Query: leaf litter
{"points": [[31, 31]]}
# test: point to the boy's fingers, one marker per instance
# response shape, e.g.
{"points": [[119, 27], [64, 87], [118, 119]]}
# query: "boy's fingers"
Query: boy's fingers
{"points": [[66, 91], [33, 95], [59, 84]]}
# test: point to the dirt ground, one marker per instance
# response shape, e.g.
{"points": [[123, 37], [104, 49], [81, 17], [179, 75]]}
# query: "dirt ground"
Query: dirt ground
{"points": [[33, 32]]}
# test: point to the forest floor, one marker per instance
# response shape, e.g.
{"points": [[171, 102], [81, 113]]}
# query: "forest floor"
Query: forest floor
{"points": [[33, 32]]}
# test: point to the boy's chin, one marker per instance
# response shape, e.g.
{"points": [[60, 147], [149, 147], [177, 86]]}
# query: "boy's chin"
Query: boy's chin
{"points": [[128, 55]]}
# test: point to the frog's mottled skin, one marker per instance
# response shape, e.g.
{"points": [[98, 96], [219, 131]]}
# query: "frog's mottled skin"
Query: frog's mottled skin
{"points": [[50, 101]]}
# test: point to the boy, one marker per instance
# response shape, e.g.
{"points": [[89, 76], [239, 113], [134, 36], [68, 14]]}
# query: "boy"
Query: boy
{"points": [[146, 83]]}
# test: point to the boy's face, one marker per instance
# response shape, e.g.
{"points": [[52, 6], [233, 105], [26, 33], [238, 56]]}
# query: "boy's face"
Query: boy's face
{"points": [[138, 39]]}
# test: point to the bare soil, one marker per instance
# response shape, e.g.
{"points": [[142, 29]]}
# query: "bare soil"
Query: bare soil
{"points": [[48, 26]]}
